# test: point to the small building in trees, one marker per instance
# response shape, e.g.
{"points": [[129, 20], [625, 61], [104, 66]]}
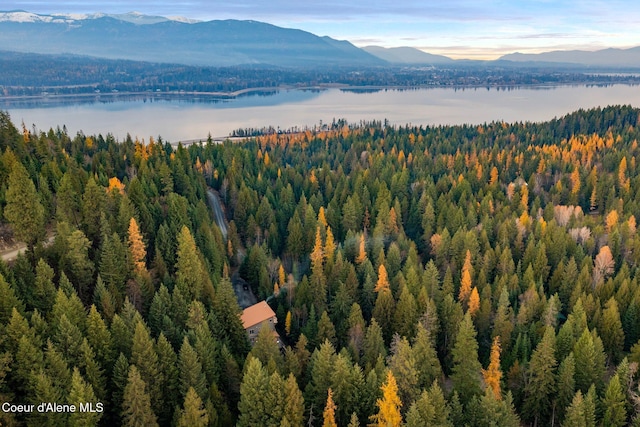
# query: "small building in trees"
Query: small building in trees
{"points": [[258, 316]]}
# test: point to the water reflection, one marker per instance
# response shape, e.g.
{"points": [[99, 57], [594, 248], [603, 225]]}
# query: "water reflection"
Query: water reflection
{"points": [[180, 117]]}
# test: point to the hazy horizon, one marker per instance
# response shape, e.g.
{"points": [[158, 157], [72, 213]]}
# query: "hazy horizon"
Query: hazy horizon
{"points": [[455, 28]]}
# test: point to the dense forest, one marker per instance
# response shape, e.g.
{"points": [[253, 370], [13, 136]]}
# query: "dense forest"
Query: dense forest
{"points": [[421, 276], [27, 74]]}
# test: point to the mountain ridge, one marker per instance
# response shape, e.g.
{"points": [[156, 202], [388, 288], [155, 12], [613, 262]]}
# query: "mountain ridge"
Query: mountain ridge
{"points": [[180, 40], [210, 43]]}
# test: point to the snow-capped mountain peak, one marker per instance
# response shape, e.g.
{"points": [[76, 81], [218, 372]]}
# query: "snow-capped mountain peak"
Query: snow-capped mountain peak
{"points": [[137, 18]]}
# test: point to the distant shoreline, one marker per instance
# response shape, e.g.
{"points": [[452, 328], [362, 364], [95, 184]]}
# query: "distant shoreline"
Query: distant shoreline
{"points": [[235, 94]]}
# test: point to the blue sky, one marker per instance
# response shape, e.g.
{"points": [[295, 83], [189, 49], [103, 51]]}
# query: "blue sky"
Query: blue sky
{"points": [[456, 28]]}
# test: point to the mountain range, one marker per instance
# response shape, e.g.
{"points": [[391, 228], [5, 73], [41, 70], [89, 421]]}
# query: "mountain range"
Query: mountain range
{"points": [[180, 40]]}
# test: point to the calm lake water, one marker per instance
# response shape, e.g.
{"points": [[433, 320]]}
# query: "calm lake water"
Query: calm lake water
{"points": [[189, 117]]}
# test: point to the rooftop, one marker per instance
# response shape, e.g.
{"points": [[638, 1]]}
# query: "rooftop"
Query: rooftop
{"points": [[256, 314]]}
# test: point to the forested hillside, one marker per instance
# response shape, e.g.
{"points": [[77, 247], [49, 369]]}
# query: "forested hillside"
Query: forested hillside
{"points": [[443, 276]]}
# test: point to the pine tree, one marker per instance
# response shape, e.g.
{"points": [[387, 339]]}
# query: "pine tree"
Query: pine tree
{"points": [[589, 368], [189, 271], [566, 385], [94, 201], [8, 301], [113, 267], [44, 291], [611, 330], [389, 406], [24, 210], [44, 390], [252, 391], [190, 368], [293, 411], [421, 413], [402, 365], [466, 372], [326, 330], [328, 416], [427, 362], [613, 403], [581, 412], [81, 392], [136, 405], [228, 313], [193, 414], [354, 421], [406, 314], [322, 363], [541, 383], [347, 383], [145, 358]]}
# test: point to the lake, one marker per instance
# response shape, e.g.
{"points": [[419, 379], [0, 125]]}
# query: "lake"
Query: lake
{"points": [[181, 118]]}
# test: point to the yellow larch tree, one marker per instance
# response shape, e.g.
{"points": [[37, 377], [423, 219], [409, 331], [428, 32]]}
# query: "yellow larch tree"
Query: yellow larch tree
{"points": [[474, 302], [465, 287], [611, 220], [383, 279], [492, 375], [524, 193], [281, 276], [575, 181], [136, 247], [317, 255], [322, 219], [115, 184], [494, 176], [465, 281], [389, 406], [287, 323], [329, 245], [329, 414], [622, 174]]}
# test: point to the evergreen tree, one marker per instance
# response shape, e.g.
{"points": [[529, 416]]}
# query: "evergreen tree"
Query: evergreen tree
{"points": [[8, 301], [566, 385], [44, 291], [402, 365], [24, 210], [613, 403], [145, 358], [45, 391], [190, 368], [81, 392], [541, 382], [136, 405], [189, 271], [611, 330], [466, 372], [252, 390], [193, 414], [293, 403]]}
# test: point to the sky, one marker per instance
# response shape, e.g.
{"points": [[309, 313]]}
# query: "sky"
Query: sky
{"points": [[457, 28]]}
